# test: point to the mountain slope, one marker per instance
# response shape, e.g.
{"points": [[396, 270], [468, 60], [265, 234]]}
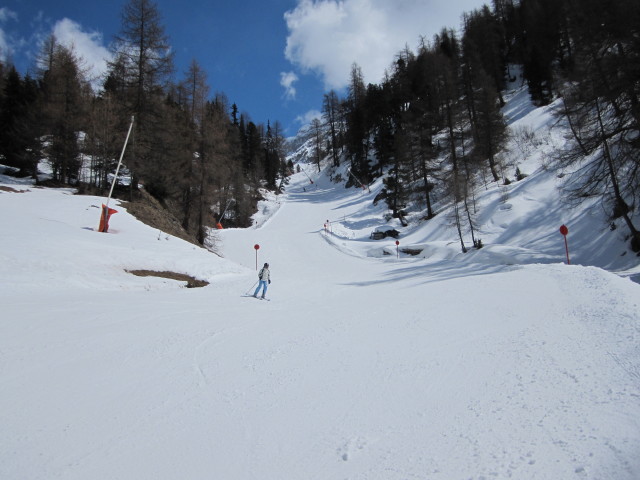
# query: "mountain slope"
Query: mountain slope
{"points": [[518, 223], [501, 363]]}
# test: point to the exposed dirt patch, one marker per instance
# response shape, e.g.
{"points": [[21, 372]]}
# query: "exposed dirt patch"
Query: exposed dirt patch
{"points": [[191, 281], [11, 189], [149, 211], [411, 251], [146, 209]]}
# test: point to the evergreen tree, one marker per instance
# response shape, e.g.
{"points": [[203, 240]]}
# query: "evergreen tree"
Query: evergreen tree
{"points": [[254, 154], [428, 121], [331, 116], [196, 90], [279, 145], [3, 72], [271, 158], [489, 124], [602, 108], [104, 137], [380, 105], [357, 134], [29, 128], [214, 171], [317, 140], [420, 126], [539, 37], [234, 114], [65, 99], [450, 96], [19, 144], [484, 46], [143, 62]]}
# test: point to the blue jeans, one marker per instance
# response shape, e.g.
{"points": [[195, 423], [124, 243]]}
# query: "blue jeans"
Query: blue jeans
{"points": [[263, 284]]}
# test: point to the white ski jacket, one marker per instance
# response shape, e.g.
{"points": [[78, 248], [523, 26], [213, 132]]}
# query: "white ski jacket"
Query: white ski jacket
{"points": [[264, 274]]}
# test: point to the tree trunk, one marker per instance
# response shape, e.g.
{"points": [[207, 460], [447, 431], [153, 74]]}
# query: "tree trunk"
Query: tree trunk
{"points": [[621, 206]]}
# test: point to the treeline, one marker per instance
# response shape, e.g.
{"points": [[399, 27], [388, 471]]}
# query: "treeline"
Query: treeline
{"points": [[195, 153], [434, 126]]}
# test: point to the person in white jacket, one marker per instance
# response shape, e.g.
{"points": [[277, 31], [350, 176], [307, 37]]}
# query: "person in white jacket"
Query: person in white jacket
{"points": [[264, 279]]}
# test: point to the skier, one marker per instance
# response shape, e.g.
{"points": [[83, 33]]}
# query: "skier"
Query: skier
{"points": [[264, 279]]}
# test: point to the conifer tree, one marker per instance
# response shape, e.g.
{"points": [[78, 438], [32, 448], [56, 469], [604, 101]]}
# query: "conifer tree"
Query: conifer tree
{"points": [[483, 46], [539, 37], [602, 108], [271, 160], [214, 171], [143, 62], [331, 116], [19, 136], [103, 138], [317, 141], [357, 135], [64, 106], [196, 91], [279, 145]]}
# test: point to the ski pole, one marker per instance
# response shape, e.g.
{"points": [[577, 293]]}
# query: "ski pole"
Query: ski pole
{"points": [[252, 286]]}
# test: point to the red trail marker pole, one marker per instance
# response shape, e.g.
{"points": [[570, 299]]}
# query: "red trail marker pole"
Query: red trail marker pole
{"points": [[256, 247], [397, 249], [565, 231]]}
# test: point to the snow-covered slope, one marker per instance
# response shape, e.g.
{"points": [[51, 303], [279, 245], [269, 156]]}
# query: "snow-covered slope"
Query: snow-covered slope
{"points": [[518, 223], [501, 363]]}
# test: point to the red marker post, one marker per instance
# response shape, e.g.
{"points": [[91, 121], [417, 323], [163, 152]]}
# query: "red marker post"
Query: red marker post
{"points": [[256, 247], [397, 249], [565, 231]]}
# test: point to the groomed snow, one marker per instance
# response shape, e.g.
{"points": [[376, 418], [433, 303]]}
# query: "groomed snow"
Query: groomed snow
{"points": [[501, 363]]}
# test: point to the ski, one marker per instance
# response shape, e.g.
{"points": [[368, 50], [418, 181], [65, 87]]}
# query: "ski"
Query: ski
{"points": [[257, 298]]}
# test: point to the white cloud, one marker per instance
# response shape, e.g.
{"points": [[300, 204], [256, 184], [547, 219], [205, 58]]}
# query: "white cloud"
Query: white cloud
{"points": [[287, 79], [6, 14], [6, 49], [87, 45], [327, 36], [306, 118]]}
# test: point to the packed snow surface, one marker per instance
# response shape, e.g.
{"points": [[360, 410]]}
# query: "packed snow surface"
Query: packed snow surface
{"points": [[361, 367], [368, 363]]}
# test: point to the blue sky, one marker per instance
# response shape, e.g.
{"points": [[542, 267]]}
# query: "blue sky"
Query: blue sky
{"points": [[273, 58]]}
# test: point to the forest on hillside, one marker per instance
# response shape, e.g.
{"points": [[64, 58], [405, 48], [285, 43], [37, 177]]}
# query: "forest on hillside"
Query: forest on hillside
{"points": [[192, 151], [434, 124]]}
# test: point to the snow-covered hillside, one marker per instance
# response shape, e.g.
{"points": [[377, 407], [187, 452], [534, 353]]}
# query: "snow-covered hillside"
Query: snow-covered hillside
{"points": [[518, 223], [499, 363]]}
